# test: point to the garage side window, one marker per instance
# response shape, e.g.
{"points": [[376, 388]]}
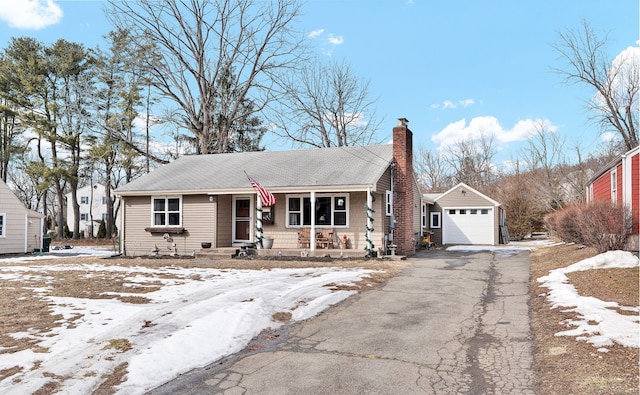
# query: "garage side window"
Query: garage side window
{"points": [[3, 225], [434, 220]]}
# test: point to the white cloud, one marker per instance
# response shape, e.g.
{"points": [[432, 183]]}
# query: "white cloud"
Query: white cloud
{"points": [[490, 126], [333, 40], [315, 33], [450, 104], [30, 14]]}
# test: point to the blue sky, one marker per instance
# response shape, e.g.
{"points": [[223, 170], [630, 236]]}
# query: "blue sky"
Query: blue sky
{"points": [[452, 68]]}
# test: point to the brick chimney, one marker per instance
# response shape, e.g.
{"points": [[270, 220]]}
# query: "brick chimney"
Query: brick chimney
{"points": [[403, 204]]}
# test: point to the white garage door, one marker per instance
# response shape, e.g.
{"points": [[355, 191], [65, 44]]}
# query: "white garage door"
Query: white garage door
{"points": [[467, 226]]}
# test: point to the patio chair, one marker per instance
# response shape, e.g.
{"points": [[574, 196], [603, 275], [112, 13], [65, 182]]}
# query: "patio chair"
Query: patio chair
{"points": [[304, 238], [325, 239]]}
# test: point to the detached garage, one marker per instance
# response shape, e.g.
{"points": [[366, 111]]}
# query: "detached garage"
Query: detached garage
{"points": [[463, 215]]}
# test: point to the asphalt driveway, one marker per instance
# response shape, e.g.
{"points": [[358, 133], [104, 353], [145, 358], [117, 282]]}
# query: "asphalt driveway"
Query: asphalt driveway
{"points": [[451, 322]]}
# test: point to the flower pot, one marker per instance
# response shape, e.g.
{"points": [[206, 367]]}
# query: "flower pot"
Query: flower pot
{"points": [[267, 243], [205, 245]]}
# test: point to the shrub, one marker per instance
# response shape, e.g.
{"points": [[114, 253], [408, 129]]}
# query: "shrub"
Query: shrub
{"points": [[602, 225], [606, 226], [102, 230]]}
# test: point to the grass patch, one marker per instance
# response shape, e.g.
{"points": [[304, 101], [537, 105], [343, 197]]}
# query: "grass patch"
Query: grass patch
{"points": [[563, 364]]}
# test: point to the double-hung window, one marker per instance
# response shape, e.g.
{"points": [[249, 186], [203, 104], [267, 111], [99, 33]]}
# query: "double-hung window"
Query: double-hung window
{"points": [[167, 211], [3, 225], [84, 199], [330, 210], [614, 186]]}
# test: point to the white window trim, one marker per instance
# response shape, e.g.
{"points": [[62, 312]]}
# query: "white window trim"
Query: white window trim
{"points": [[319, 195], [423, 216], [166, 198], [3, 230], [614, 186], [432, 215], [388, 203]]}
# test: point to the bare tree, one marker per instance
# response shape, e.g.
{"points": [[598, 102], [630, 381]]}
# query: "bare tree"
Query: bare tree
{"points": [[326, 106], [616, 83], [200, 43], [432, 171], [471, 160]]}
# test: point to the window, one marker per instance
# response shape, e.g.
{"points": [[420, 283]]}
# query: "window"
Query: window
{"points": [[473, 211], [614, 186], [84, 199], [484, 211], [452, 212], [84, 217], [167, 211], [104, 216], [463, 211], [434, 220], [424, 215], [3, 225], [388, 203], [330, 210], [104, 200]]}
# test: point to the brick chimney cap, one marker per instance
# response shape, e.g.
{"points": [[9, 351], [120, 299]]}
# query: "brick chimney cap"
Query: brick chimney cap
{"points": [[403, 121]]}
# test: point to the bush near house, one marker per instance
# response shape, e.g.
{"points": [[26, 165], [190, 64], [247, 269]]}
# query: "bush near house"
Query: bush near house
{"points": [[602, 225]]}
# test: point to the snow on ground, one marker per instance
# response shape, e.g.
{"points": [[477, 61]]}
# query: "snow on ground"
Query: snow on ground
{"points": [[196, 317], [598, 321]]}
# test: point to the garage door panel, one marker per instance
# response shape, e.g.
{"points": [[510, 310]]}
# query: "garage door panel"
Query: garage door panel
{"points": [[467, 228]]}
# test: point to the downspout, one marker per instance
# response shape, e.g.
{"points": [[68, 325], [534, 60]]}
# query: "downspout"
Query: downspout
{"points": [[368, 234], [26, 231]]}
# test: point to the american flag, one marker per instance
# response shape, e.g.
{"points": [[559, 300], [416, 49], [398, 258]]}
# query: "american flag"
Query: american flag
{"points": [[266, 197]]}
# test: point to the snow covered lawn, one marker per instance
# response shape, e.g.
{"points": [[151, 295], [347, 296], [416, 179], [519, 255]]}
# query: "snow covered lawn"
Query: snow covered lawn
{"points": [[155, 324]]}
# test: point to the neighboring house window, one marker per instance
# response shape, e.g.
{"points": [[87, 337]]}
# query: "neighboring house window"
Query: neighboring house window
{"points": [[104, 216], [463, 211], [473, 211], [452, 212], [330, 210], [84, 199], [3, 225], [389, 203], [167, 211], [484, 211], [434, 220], [84, 217], [614, 187], [104, 200]]}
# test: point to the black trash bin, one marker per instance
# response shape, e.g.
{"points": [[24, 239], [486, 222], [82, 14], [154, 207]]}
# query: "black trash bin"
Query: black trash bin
{"points": [[46, 243]]}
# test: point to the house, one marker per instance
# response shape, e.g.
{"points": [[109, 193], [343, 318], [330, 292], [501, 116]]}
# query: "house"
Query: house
{"points": [[365, 198], [93, 208], [619, 182], [463, 215], [20, 228]]}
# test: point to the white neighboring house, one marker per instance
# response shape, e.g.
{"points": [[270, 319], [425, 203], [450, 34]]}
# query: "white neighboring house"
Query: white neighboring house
{"points": [[93, 205]]}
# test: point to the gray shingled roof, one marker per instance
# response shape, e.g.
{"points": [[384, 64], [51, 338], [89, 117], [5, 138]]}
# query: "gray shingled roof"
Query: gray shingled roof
{"points": [[278, 171]]}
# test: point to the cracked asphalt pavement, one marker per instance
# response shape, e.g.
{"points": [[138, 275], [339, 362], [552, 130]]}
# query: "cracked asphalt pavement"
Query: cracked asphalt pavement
{"points": [[450, 323]]}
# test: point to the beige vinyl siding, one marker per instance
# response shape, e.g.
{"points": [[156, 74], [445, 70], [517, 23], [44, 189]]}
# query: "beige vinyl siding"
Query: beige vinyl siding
{"points": [[198, 220], [16, 224], [34, 241]]}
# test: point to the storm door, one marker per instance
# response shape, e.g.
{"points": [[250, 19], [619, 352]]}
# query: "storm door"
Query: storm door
{"points": [[243, 221]]}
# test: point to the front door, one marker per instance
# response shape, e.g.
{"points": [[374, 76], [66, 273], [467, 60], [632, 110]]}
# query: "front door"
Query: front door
{"points": [[242, 223]]}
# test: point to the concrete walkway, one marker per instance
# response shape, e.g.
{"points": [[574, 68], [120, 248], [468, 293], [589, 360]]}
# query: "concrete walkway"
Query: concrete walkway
{"points": [[451, 323]]}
